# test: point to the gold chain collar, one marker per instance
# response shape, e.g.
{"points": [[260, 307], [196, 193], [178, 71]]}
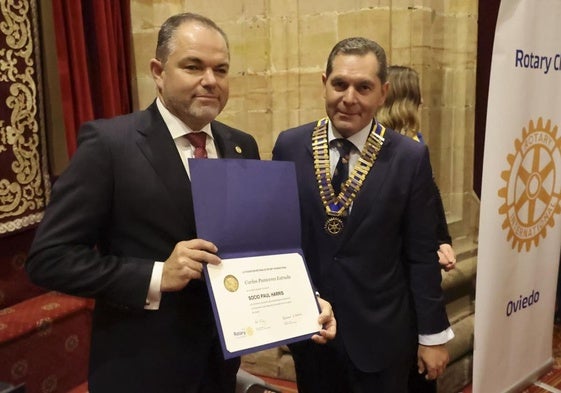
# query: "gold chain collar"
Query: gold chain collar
{"points": [[337, 205]]}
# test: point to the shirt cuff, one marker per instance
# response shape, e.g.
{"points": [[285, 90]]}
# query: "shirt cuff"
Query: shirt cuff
{"points": [[436, 339], [154, 293]]}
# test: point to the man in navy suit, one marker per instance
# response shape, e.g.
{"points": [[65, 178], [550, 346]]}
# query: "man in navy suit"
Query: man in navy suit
{"points": [[120, 226], [371, 247]]}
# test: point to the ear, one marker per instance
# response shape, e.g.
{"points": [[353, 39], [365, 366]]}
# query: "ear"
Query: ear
{"points": [[157, 69], [324, 82], [384, 93]]}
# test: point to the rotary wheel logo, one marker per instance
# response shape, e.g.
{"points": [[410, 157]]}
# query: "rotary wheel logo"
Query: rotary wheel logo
{"points": [[533, 185]]}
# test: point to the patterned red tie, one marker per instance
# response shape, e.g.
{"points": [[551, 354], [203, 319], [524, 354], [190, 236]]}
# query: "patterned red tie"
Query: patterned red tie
{"points": [[198, 140]]}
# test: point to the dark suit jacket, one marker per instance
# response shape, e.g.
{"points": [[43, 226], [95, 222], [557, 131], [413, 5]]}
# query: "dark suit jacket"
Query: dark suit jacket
{"points": [[383, 269], [123, 203]]}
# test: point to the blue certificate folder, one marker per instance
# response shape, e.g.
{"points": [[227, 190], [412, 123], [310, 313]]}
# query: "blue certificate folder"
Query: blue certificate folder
{"points": [[247, 208]]}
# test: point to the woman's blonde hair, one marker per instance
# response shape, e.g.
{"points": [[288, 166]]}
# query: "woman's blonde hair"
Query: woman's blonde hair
{"points": [[401, 108]]}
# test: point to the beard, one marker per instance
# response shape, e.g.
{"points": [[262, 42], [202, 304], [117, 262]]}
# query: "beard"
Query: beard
{"points": [[195, 114]]}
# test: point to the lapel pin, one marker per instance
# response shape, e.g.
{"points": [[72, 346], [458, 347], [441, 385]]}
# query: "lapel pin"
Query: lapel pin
{"points": [[238, 150]]}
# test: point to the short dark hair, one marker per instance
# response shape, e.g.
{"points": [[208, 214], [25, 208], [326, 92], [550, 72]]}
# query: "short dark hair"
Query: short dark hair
{"points": [[359, 46], [165, 35]]}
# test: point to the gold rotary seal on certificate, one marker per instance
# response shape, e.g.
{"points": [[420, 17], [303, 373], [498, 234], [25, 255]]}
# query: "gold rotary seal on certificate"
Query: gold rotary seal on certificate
{"points": [[231, 283]]}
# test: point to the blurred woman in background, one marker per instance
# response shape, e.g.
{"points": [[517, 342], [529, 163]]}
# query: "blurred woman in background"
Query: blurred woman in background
{"points": [[401, 113]]}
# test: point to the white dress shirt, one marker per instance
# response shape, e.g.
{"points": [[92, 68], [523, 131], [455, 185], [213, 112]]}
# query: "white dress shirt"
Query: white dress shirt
{"points": [[178, 130]]}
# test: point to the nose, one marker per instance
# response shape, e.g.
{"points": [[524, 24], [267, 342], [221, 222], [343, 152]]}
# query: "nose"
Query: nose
{"points": [[349, 97], [208, 77]]}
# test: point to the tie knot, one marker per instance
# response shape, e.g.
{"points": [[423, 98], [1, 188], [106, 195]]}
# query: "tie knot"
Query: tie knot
{"points": [[344, 146], [198, 140]]}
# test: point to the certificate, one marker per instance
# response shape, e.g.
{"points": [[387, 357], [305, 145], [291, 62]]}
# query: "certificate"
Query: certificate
{"points": [[263, 301], [261, 293]]}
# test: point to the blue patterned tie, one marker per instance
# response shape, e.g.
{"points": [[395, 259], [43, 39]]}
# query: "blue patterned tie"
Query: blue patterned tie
{"points": [[341, 172]]}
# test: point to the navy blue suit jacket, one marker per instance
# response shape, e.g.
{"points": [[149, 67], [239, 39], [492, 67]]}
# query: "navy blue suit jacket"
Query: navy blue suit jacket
{"points": [[124, 202], [381, 274]]}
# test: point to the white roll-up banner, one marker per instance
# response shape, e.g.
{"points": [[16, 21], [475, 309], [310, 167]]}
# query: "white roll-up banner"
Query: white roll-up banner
{"points": [[520, 215]]}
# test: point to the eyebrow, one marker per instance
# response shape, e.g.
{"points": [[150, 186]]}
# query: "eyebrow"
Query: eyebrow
{"points": [[337, 79], [198, 61]]}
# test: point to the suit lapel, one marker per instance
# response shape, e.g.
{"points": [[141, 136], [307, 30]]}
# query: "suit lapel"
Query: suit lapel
{"points": [[225, 145], [158, 147], [369, 193]]}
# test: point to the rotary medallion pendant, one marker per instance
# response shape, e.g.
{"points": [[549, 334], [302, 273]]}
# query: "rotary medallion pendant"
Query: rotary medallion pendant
{"points": [[333, 225]]}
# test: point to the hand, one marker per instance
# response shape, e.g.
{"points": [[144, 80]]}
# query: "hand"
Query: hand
{"points": [[432, 360], [186, 263], [446, 257], [327, 320]]}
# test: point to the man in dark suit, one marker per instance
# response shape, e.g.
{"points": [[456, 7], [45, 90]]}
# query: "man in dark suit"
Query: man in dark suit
{"points": [[120, 225], [371, 247]]}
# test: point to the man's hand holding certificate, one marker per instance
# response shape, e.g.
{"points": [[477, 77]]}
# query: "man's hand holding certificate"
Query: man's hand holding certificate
{"points": [[261, 292]]}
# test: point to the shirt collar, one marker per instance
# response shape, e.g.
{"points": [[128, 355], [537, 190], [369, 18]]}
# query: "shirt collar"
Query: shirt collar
{"points": [[175, 126], [358, 139]]}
